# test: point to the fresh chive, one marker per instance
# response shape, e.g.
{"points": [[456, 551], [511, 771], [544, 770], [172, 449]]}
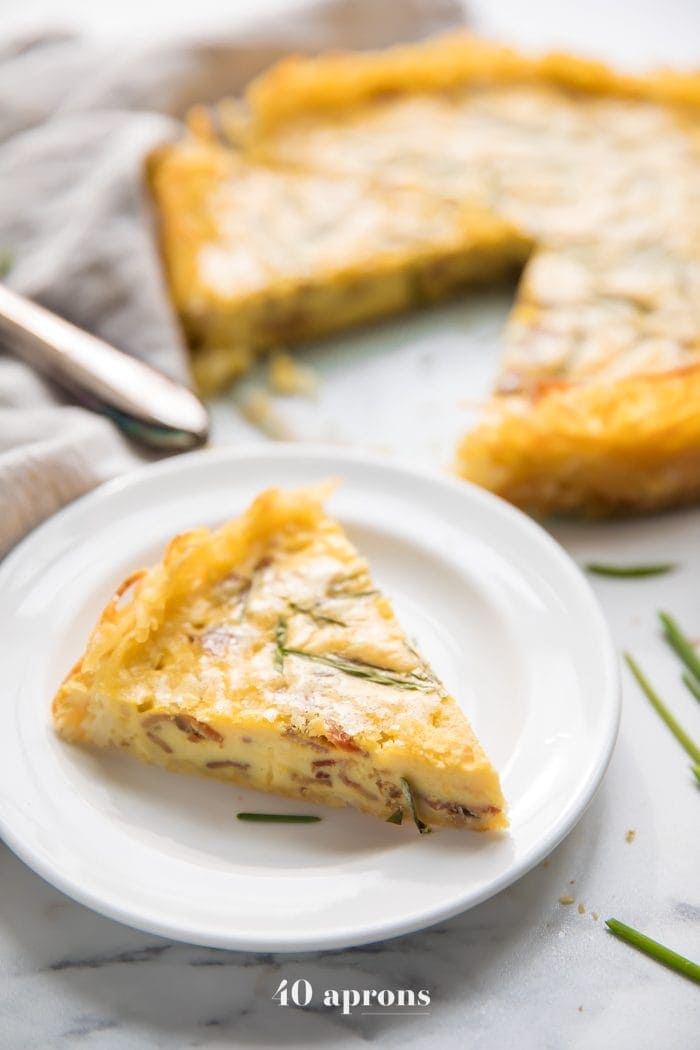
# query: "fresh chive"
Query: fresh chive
{"points": [[655, 950], [316, 617], [428, 679], [696, 770], [411, 804], [280, 640], [379, 675], [682, 645], [692, 684], [681, 736], [338, 589], [5, 262], [278, 818], [396, 817], [630, 571]]}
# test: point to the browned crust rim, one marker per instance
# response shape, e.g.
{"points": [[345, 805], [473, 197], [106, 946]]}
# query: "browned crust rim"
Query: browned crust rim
{"points": [[627, 446], [338, 80]]}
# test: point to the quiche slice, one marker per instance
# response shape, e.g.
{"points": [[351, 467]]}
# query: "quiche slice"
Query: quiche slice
{"points": [[262, 654]]}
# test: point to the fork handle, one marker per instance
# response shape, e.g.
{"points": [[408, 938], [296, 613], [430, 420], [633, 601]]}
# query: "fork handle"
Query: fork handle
{"points": [[145, 404]]}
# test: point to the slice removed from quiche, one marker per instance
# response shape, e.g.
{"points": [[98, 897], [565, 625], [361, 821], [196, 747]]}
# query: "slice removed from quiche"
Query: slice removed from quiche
{"points": [[261, 653]]}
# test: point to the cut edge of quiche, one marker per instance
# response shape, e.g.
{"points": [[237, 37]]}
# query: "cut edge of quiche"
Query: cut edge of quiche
{"points": [[262, 654], [424, 249]]}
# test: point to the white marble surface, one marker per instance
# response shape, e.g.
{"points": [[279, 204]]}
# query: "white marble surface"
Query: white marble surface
{"points": [[520, 970]]}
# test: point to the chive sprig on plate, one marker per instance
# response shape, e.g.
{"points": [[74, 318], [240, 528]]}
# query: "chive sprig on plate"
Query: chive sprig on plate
{"points": [[630, 571], [278, 818]]}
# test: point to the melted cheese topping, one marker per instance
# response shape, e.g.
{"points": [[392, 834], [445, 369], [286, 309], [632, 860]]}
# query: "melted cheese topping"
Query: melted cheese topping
{"points": [[256, 228], [219, 650], [608, 188], [273, 226]]}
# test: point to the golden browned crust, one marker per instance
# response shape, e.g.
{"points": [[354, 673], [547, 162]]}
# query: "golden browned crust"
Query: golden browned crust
{"points": [[343, 79], [140, 603], [632, 445]]}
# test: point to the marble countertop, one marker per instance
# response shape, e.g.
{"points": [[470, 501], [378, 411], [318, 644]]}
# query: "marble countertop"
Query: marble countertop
{"points": [[521, 970]]}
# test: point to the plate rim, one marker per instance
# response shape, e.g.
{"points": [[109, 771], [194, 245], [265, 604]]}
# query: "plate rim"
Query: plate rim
{"points": [[338, 938]]}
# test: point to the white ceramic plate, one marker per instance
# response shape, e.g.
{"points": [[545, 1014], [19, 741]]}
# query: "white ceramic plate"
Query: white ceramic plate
{"points": [[505, 616]]}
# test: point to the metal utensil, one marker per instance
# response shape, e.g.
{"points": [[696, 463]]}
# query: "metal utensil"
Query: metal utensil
{"points": [[147, 405]]}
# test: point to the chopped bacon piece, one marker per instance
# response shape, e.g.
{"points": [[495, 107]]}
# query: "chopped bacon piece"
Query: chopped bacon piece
{"points": [[196, 730], [341, 739]]}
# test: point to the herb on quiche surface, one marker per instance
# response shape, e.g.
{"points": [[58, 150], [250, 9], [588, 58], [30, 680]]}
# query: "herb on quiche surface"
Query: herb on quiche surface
{"points": [[655, 950], [414, 680], [280, 641], [379, 675], [339, 588], [630, 571], [396, 817], [318, 618], [681, 644], [278, 818], [680, 734], [423, 828]]}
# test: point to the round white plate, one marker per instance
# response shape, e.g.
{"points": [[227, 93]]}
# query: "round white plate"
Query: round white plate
{"points": [[507, 619]]}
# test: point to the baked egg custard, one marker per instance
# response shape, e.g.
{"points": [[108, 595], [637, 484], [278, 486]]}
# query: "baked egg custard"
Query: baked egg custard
{"points": [[261, 653]]}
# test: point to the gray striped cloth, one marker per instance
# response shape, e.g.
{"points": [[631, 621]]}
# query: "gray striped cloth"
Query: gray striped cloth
{"points": [[76, 119]]}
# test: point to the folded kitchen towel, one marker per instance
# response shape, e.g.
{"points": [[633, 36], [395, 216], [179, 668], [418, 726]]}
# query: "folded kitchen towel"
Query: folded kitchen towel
{"points": [[76, 119]]}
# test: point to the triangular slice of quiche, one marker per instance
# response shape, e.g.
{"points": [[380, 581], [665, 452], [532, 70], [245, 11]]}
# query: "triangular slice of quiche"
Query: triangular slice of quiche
{"points": [[262, 654]]}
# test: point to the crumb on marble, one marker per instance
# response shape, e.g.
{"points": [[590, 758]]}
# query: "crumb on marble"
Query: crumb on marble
{"points": [[288, 376], [566, 898], [571, 882], [581, 909], [594, 915], [630, 835], [257, 409]]}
